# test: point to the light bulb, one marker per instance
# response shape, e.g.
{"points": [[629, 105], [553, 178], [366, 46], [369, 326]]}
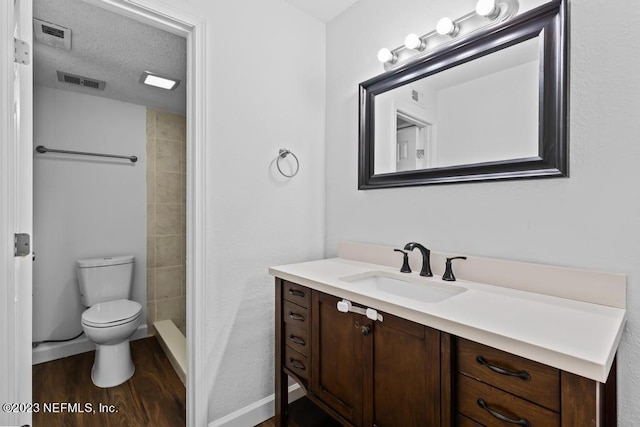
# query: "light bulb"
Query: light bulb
{"points": [[487, 8], [446, 26], [414, 42], [385, 55]]}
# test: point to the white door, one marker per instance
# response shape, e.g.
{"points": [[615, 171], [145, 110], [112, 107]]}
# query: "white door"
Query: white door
{"points": [[16, 201]]}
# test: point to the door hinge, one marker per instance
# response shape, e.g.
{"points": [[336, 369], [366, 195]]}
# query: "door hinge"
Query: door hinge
{"points": [[21, 53], [21, 244]]}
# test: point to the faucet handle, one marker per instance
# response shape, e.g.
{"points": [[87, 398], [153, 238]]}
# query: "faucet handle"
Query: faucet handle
{"points": [[448, 271], [405, 262]]}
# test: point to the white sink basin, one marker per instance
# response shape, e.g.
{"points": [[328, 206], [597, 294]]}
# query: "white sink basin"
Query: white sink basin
{"points": [[420, 289]]}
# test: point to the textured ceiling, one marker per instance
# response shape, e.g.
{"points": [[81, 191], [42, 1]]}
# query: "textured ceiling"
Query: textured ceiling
{"points": [[324, 10], [106, 46], [109, 47]]}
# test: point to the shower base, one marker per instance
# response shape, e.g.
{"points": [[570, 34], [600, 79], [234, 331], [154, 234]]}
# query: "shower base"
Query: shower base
{"points": [[174, 345]]}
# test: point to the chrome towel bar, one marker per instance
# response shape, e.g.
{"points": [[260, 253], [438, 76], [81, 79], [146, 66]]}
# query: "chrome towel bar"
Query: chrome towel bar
{"points": [[43, 149]]}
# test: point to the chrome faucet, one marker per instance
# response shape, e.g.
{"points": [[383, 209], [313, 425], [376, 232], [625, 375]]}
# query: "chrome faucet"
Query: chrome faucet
{"points": [[426, 253]]}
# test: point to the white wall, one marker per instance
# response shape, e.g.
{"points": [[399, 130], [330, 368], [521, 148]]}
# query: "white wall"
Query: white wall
{"points": [[265, 90], [84, 207], [590, 220]]}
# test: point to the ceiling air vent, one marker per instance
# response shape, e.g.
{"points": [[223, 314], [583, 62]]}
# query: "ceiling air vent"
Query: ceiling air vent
{"points": [[80, 81], [52, 34]]}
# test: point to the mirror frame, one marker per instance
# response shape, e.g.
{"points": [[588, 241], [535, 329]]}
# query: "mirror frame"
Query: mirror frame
{"points": [[549, 22]]}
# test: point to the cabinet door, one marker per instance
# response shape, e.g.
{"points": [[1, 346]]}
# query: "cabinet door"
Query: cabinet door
{"points": [[337, 358], [403, 388]]}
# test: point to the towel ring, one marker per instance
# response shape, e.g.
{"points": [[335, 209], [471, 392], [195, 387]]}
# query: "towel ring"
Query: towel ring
{"points": [[281, 155]]}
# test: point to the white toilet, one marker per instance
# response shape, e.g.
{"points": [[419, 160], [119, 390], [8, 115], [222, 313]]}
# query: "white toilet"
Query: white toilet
{"points": [[105, 286]]}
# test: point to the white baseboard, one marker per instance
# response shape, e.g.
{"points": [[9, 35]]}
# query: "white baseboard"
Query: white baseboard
{"points": [[257, 412], [53, 351]]}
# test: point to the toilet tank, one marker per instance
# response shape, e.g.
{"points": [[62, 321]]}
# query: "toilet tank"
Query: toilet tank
{"points": [[104, 279]]}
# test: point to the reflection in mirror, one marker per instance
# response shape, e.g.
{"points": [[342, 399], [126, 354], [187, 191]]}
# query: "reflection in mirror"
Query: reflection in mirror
{"points": [[480, 111]]}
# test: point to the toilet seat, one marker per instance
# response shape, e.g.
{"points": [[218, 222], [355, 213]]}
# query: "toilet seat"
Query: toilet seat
{"points": [[112, 313]]}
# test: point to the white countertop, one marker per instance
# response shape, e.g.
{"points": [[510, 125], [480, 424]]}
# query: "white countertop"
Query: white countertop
{"points": [[578, 337]]}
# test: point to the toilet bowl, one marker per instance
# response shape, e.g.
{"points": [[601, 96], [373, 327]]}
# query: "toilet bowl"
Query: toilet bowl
{"points": [[109, 325], [111, 318]]}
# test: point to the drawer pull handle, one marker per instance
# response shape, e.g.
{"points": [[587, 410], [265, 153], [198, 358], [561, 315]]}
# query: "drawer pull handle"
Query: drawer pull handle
{"points": [[524, 375], [296, 293], [297, 364], [297, 340], [295, 316], [498, 415]]}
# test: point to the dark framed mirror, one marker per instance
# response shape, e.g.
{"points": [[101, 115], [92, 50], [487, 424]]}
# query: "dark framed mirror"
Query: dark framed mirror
{"points": [[490, 106]]}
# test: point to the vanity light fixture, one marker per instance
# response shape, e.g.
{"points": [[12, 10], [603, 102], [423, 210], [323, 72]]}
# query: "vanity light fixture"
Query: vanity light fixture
{"points": [[413, 41], [487, 13], [386, 56], [446, 27], [151, 79], [487, 8]]}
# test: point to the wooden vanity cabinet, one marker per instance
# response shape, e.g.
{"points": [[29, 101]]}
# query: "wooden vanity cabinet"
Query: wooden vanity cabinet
{"points": [[400, 373], [362, 372]]}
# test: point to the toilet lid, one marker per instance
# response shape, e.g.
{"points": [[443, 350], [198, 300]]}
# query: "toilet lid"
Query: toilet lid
{"points": [[111, 313]]}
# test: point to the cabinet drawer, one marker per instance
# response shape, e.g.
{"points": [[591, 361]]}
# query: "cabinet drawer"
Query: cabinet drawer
{"points": [[294, 314], [296, 294], [296, 363], [297, 337], [472, 395], [523, 377]]}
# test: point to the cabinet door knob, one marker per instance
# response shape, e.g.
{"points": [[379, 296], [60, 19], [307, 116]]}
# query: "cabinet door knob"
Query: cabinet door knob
{"points": [[365, 330]]}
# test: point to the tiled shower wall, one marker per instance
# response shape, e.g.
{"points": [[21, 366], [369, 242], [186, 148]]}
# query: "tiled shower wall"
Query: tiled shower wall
{"points": [[166, 229]]}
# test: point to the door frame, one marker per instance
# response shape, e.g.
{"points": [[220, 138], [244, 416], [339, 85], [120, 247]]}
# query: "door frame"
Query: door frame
{"points": [[16, 198], [192, 27], [189, 25]]}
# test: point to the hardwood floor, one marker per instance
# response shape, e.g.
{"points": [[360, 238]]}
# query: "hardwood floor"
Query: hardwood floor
{"points": [[303, 413], [154, 396]]}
